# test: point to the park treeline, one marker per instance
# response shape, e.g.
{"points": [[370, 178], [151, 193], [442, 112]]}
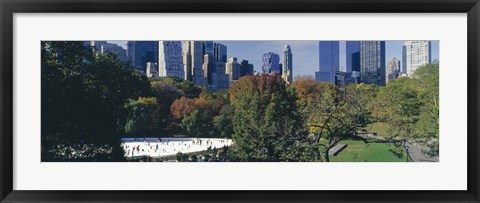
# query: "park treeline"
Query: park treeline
{"points": [[90, 101]]}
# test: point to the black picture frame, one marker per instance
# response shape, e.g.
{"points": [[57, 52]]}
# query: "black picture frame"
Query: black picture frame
{"points": [[10, 7]]}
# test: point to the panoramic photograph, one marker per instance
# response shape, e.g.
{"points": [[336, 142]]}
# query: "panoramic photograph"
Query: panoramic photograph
{"points": [[240, 101]]}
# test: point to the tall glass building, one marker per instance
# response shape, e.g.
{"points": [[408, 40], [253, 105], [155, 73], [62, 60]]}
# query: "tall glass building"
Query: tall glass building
{"points": [[170, 62], [246, 68], [329, 60], [353, 56], [271, 63], [208, 47], [356, 62], [214, 68], [142, 52], [220, 52], [287, 67], [372, 62]]}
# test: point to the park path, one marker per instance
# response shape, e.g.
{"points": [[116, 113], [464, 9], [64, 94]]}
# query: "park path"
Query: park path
{"points": [[416, 155]]}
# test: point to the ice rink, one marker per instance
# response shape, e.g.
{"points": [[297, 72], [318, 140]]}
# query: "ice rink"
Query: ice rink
{"points": [[159, 147]]}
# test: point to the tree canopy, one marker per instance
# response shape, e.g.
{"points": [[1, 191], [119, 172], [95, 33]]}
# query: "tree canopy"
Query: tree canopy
{"points": [[83, 97], [267, 123]]}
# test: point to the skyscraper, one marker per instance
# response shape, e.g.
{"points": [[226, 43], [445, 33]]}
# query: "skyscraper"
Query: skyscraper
{"points": [[404, 59], [220, 52], [208, 47], [187, 61], [392, 70], [287, 67], [214, 66], [141, 52], [353, 56], [214, 72], [209, 69], [246, 68], [417, 53], [372, 62], [193, 62], [354, 77], [271, 63], [329, 58], [356, 62], [232, 69], [170, 61]]}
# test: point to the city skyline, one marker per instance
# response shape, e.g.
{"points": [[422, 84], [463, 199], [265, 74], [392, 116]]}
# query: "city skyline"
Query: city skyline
{"points": [[223, 111], [305, 52]]}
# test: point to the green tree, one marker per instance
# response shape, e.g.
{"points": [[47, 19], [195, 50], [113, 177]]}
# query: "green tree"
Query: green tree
{"points": [[189, 89], [399, 106], [166, 94], [142, 116], [223, 121], [83, 98], [428, 121], [333, 114], [410, 105], [267, 125], [197, 123]]}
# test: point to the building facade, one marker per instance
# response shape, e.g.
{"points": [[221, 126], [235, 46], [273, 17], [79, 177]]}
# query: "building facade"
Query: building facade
{"points": [[170, 61], [271, 63], [221, 77], [372, 62], [329, 61], [141, 52], [287, 67], [392, 70], [209, 68], [220, 52], [151, 70], [214, 71], [417, 53], [103, 47], [193, 62], [246, 68], [214, 66], [119, 51], [404, 60], [208, 47], [187, 61], [352, 55], [232, 69]]}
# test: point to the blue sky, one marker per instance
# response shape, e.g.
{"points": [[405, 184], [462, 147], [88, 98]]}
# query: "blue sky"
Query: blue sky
{"points": [[305, 53]]}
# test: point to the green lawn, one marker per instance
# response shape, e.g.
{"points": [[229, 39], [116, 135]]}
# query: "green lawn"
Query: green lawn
{"points": [[359, 151], [379, 128]]}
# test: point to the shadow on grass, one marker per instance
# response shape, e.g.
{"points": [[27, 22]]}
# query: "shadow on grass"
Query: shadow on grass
{"points": [[397, 152]]}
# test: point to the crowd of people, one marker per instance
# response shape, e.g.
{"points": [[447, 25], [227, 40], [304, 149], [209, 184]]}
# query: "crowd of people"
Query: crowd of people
{"points": [[158, 147]]}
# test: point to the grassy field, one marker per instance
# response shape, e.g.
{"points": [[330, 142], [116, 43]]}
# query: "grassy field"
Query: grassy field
{"points": [[359, 151], [379, 128]]}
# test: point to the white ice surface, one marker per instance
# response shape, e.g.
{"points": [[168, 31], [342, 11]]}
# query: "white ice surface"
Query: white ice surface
{"points": [[159, 147]]}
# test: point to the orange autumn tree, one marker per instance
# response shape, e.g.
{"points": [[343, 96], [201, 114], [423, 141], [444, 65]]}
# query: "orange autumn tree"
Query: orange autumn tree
{"points": [[196, 117], [181, 107]]}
